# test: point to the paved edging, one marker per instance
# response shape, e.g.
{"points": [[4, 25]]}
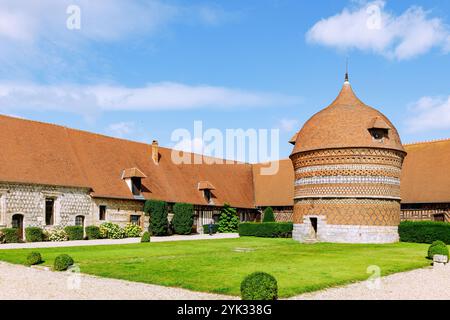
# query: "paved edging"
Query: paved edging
{"points": [[101, 242]]}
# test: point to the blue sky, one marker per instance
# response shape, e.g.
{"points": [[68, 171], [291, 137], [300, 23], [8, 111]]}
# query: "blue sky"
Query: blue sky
{"points": [[141, 69]]}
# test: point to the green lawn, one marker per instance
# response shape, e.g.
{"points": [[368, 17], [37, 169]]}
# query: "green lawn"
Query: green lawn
{"points": [[220, 265]]}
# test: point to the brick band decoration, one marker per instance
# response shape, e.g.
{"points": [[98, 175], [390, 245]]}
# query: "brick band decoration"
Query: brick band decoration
{"points": [[347, 161]]}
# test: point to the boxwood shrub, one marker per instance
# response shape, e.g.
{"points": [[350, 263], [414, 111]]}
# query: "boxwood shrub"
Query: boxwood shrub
{"points": [[424, 231], [215, 228], [145, 237], [158, 217], [34, 234], [34, 258], [74, 232], [62, 262], [259, 286], [10, 235], [266, 229], [183, 218], [268, 215], [92, 232], [437, 247]]}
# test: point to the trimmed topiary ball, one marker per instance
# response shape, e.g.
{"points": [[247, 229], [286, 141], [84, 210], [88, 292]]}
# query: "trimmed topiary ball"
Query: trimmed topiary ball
{"points": [[145, 237], [34, 258], [259, 286], [63, 262], [438, 247]]}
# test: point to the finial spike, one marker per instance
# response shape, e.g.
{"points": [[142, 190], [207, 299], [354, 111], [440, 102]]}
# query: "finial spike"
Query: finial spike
{"points": [[346, 70]]}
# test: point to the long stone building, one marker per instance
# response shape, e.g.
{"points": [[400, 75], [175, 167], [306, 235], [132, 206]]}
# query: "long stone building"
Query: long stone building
{"points": [[54, 176]]}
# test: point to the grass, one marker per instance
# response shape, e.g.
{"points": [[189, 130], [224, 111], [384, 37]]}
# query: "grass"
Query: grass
{"points": [[218, 266]]}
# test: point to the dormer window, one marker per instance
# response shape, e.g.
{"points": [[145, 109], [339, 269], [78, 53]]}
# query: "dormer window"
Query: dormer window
{"points": [[206, 188], [379, 129], [133, 178]]}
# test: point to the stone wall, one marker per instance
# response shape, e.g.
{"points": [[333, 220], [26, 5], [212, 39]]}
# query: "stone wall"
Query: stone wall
{"points": [[29, 201], [343, 233], [119, 211]]}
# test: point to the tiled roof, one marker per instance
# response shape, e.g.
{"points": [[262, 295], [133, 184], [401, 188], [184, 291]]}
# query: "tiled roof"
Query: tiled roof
{"points": [[426, 173], [345, 124], [41, 153]]}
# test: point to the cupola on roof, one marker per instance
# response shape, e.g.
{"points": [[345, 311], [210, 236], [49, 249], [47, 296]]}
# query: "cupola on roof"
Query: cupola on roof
{"points": [[346, 123]]}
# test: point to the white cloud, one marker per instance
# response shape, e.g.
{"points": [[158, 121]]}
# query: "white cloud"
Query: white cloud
{"points": [[429, 113], [288, 125], [121, 129], [370, 27], [35, 40], [89, 100]]}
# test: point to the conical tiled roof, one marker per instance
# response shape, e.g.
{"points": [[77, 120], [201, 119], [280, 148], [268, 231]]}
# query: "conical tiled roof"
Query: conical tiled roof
{"points": [[345, 124]]}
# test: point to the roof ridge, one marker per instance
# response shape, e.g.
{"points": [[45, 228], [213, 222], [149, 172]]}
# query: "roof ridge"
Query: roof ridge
{"points": [[426, 141], [74, 129]]}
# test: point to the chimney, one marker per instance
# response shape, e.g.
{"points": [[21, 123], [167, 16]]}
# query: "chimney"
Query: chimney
{"points": [[155, 154]]}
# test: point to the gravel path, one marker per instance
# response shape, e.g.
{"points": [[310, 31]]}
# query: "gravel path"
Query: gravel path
{"points": [[422, 284], [20, 282], [80, 243]]}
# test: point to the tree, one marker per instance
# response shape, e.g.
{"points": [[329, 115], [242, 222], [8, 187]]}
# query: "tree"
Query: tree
{"points": [[158, 217], [268, 215], [183, 218], [228, 220]]}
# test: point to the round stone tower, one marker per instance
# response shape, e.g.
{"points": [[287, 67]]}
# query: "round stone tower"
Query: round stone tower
{"points": [[347, 160]]}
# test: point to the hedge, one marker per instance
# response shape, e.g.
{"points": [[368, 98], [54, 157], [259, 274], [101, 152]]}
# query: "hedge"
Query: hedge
{"points": [[267, 229], [10, 235], [34, 234], [74, 232], [183, 218], [215, 228], [424, 231], [158, 217], [92, 232]]}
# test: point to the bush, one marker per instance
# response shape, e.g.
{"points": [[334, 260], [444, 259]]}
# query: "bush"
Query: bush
{"points": [[437, 247], [268, 215], [92, 232], [57, 234], [34, 258], [259, 286], [132, 231], [63, 262], [214, 229], [158, 217], [2, 236], [183, 218], [266, 230], [74, 232], [145, 237], [10, 235], [424, 231], [228, 220], [34, 234], [111, 231]]}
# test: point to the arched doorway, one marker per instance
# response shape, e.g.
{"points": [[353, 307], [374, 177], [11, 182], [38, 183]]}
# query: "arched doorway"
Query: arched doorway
{"points": [[17, 222]]}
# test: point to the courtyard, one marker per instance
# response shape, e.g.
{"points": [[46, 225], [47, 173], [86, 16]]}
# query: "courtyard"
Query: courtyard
{"points": [[218, 266]]}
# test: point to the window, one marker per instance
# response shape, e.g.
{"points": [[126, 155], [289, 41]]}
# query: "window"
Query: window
{"points": [[207, 194], [136, 186], [102, 212], [49, 211], [79, 220], [135, 219], [378, 134]]}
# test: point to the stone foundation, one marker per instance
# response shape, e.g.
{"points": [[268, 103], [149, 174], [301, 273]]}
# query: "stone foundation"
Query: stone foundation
{"points": [[304, 232]]}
